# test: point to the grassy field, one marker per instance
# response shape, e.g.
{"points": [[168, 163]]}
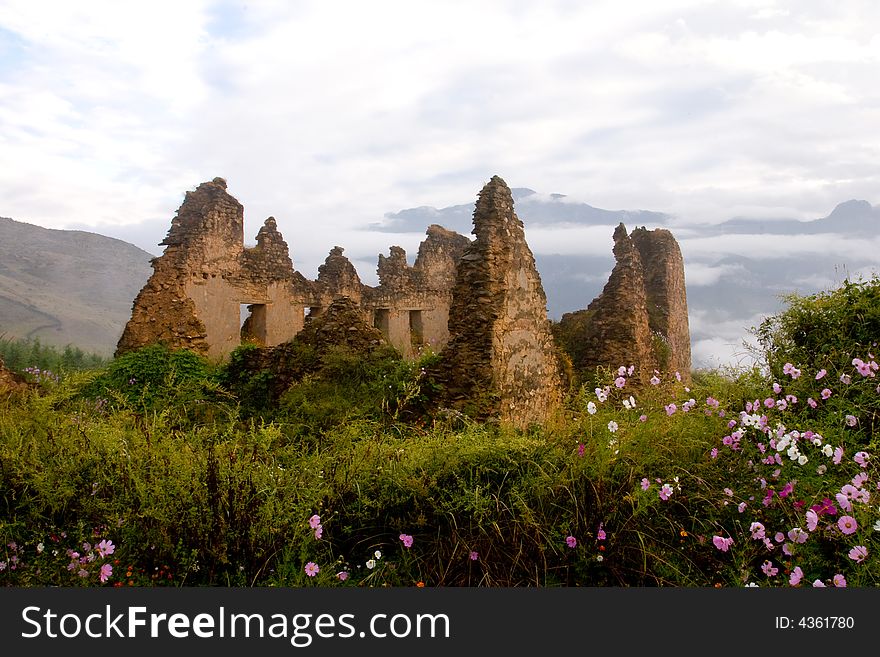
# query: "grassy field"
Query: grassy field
{"points": [[159, 468]]}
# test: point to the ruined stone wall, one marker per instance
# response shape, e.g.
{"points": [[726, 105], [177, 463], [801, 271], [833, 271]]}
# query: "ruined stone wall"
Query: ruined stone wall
{"points": [[500, 360], [9, 380], [666, 296], [640, 318]]}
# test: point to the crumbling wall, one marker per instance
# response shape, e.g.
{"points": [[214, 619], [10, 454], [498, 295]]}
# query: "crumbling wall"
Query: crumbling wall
{"points": [[666, 297], [500, 360], [9, 380], [193, 298], [640, 318]]}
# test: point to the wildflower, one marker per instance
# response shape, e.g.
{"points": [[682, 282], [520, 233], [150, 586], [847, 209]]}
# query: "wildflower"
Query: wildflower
{"points": [[630, 403], [314, 521], [779, 537], [319, 532], [377, 554], [851, 420], [827, 450], [601, 395], [619, 382], [645, 483], [83, 573], [838, 456], [581, 449], [769, 569], [844, 502], [643, 418], [714, 453], [839, 581], [342, 575], [858, 553], [3, 564], [728, 492], [845, 379], [312, 569], [612, 426], [371, 563], [670, 409], [847, 524], [877, 526], [591, 408], [812, 520], [678, 377], [654, 380], [407, 540], [776, 388], [571, 541], [722, 543], [106, 572], [858, 481], [826, 393], [665, 492], [818, 584], [797, 535], [473, 555], [600, 534], [811, 402], [741, 507], [820, 374], [40, 548], [796, 576], [757, 530], [420, 584], [862, 458]]}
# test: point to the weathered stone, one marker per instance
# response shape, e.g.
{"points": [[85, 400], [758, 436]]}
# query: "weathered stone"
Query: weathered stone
{"points": [[500, 360], [640, 318], [9, 380]]}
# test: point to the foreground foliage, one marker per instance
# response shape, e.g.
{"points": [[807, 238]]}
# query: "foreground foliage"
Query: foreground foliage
{"points": [[160, 469]]}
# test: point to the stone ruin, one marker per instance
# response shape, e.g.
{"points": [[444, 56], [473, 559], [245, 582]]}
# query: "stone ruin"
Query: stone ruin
{"points": [[481, 303], [9, 380], [641, 316], [193, 299], [501, 360]]}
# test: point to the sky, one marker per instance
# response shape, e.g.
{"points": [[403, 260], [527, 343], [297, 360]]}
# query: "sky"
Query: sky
{"points": [[328, 115]]}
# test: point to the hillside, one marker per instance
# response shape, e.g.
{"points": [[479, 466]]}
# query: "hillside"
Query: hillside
{"points": [[67, 287]]}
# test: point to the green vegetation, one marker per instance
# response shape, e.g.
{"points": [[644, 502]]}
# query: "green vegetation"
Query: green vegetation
{"points": [[19, 354], [160, 469]]}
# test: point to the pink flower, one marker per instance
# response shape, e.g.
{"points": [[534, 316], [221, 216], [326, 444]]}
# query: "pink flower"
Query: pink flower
{"points": [[654, 380], [407, 540], [619, 382], [106, 572], [818, 584], [473, 555], [581, 450], [769, 569], [820, 374], [600, 535], [839, 581], [844, 502], [847, 524], [812, 520], [860, 479], [858, 553], [670, 409], [571, 541], [845, 379], [741, 507], [796, 576], [757, 530], [665, 492], [838, 456], [342, 575], [722, 543], [105, 548], [862, 458], [314, 521], [312, 569], [851, 420], [826, 393], [645, 483], [779, 537], [643, 418], [797, 535], [714, 453], [811, 402], [319, 532]]}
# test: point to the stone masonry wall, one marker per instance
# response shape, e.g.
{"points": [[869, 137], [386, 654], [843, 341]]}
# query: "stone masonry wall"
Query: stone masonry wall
{"points": [[500, 360]]}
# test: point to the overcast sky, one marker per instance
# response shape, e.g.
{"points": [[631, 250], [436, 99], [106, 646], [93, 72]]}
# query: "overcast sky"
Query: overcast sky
{"points": [[329, 114]]}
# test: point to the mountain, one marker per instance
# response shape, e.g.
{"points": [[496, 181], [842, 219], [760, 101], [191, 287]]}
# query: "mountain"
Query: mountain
{"points": [[67, 286]]}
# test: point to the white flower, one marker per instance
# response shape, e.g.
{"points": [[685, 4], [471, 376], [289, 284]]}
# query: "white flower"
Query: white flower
{"points": [[802, 459], [377, 554], [371, 564], [828, 451], [591, 408], [629, 403], [877, 526], [751, 585], [40, 547], [612, 426]]}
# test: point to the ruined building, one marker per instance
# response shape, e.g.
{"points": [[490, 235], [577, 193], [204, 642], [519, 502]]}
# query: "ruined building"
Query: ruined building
{"points": [[194, 298], [501, 360], [481, 303], [640, 318]]}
